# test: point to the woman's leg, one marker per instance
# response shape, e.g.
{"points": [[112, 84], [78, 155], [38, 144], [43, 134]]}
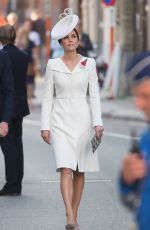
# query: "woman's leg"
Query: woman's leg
{"points": [[66, 186], [78, 185]]}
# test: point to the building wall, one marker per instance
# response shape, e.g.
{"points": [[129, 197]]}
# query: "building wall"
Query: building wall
{"points": [[140, 26], [88, 11], [93, 11], [125, 24], [74, 5], [3, 7], [148, 23], [57, 7], [133, 25], [133, 18], [28, 6]]}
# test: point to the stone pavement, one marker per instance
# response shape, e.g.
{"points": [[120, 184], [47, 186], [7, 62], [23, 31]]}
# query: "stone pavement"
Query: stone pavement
{"points": [[121, 109], [111, 108]]}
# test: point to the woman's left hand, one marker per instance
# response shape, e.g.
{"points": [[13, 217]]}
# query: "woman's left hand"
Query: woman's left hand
{"points": [[99, 131]]}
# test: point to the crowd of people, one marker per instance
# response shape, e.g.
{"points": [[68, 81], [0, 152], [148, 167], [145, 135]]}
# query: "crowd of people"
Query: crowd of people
{"points": [[22, 51], [30, 37], [69, 122]]}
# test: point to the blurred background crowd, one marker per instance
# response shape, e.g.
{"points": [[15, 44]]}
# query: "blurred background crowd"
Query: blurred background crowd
{"points": [[123, 24]]}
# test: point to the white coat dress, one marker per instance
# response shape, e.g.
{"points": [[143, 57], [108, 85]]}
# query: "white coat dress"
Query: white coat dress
{"points": [[69, 116]]}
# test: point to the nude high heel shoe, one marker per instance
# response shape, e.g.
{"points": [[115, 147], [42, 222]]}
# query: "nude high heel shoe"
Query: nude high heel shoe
{"points": [[76, 227], [70, 227]]}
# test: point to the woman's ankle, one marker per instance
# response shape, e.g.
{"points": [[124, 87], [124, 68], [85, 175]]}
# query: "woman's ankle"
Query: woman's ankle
{"points": [[75, 214], [70, 218]]}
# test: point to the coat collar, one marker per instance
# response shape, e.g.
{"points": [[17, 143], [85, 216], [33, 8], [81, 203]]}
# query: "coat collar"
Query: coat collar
{"points": [[9, 46], [57, 64]]}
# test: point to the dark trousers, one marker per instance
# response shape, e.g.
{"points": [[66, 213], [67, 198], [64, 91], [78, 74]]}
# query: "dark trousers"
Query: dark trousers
{"points": [[12, 148]]}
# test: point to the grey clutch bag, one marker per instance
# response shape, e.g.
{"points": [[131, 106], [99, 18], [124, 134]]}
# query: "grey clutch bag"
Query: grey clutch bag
{"points": [[95, 143]]}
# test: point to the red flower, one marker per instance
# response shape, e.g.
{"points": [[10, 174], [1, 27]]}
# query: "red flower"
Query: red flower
{"points": [[83, 63]]}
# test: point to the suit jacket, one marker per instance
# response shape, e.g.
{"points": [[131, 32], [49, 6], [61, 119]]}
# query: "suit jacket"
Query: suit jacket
{"points": [[19, 62], [6, 88]]}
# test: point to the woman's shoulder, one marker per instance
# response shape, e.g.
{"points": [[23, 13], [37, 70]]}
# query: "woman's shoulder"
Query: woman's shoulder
{"points": [[56, 64], [91, 60], [53, 62]]}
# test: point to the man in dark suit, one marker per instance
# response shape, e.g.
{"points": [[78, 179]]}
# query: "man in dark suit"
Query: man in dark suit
{"points": [[12, 145], [6, 93]]}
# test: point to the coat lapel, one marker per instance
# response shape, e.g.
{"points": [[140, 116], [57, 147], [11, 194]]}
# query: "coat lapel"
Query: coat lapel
{"points": [[58, 65]]}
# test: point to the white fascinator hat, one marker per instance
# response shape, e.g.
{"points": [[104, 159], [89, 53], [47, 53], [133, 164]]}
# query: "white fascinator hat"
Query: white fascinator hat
{"points": [[65, 25]]}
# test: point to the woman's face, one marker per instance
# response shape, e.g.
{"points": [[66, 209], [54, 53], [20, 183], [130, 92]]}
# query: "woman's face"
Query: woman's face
{"points": [[70, 42]]}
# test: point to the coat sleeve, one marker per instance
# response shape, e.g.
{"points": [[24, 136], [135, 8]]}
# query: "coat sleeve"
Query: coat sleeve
{"points": [[7, 90], [94, 96], [47, 99]]}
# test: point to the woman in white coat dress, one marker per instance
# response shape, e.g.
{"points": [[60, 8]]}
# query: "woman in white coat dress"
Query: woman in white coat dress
{"points": [[67, 119]]}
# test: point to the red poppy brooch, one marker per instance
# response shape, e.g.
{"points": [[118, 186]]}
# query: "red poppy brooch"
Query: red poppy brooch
{"points": [[83, 63]]}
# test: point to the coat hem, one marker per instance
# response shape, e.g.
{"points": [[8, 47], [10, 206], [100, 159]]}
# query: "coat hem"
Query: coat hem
{"points": [[75, 169]]}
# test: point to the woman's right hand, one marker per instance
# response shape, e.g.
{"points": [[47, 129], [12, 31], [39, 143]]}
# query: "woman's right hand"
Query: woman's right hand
{"points": [[46, 136]]}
